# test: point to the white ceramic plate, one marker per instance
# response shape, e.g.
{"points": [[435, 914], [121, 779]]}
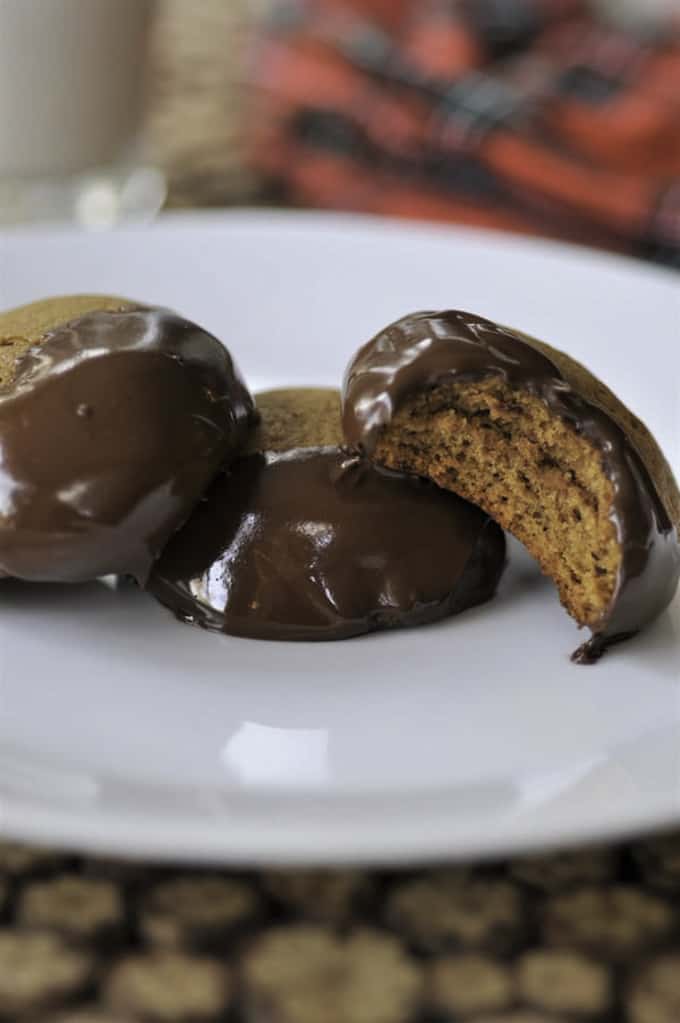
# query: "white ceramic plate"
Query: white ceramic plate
{"points": [[122, 730]]}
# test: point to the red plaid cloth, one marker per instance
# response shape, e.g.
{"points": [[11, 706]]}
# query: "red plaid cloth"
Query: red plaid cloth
{"points": [[527, 115]]}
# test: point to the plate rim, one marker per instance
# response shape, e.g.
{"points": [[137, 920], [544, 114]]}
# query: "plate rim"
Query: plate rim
{"points": [[237, 843], [235, 840], [321, 219]]}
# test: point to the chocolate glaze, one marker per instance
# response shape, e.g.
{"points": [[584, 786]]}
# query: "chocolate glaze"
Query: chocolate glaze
{"points": [[425, 349], [311, 544], [112, 429]]}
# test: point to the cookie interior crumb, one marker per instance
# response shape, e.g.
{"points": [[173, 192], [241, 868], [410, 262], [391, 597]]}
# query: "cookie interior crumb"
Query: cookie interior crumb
{"points": [[503, 450]]}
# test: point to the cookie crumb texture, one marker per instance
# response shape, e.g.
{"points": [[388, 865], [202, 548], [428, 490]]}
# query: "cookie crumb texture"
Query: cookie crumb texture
{"points": [[503, 450]]}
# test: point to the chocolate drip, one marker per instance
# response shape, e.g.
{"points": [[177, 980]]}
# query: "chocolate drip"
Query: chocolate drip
{"points": [[426, 349], [112, 429], [311, 544]]}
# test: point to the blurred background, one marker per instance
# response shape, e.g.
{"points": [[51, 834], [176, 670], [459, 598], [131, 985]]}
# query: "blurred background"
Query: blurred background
{"points": [[547, 117], [550, 117]]}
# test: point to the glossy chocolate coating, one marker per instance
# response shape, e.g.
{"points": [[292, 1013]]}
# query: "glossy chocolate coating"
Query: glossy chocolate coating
{"points": [[311, 544], [111, 430], [426, 349]]}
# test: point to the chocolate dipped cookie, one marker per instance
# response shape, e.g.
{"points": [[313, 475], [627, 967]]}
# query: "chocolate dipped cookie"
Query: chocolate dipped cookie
{"points": [[533, 438], [114, 418], [310, 543]]}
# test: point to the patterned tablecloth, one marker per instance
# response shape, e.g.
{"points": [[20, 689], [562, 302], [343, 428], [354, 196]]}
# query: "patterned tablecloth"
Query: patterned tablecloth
{"points": [[591, 936]]}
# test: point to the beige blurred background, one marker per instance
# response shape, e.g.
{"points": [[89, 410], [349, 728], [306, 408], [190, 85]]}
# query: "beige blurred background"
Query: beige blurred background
{"points": [[198, 95], [196, 98]]}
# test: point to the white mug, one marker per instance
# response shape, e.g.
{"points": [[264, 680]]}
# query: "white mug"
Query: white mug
{"points": [[71, 84]]}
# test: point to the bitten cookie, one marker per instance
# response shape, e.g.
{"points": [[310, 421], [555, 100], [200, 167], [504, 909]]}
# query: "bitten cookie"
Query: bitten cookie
{"points": [[539, 443], [114, 418]]}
